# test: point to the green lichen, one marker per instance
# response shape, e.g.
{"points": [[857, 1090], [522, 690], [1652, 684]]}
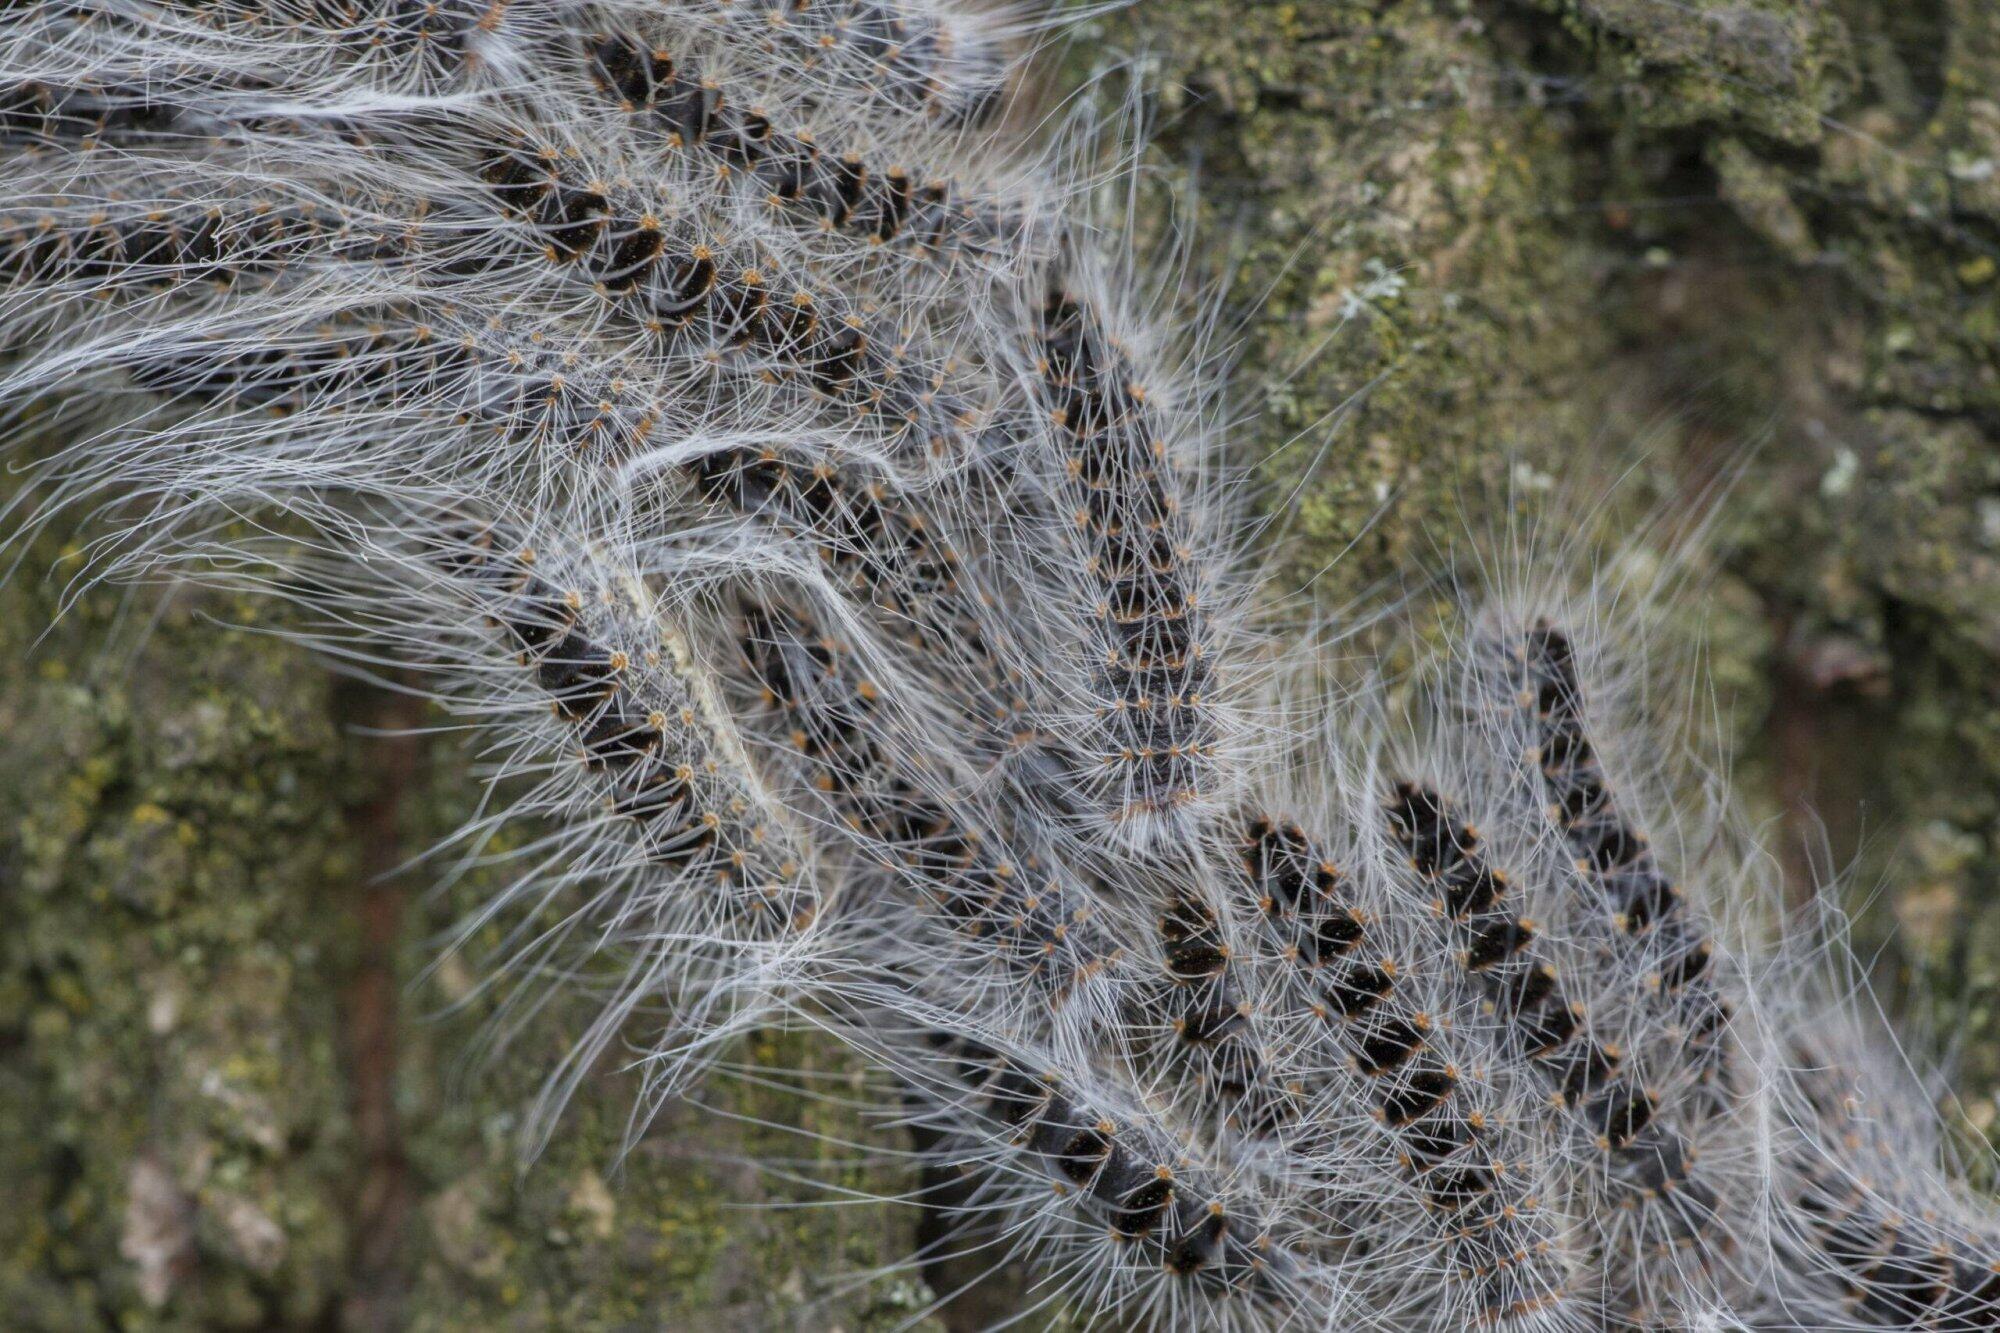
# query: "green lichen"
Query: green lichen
{"points": [[174, 1105]]}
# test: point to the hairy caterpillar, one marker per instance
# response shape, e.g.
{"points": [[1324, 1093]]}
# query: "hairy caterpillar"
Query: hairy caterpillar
{"points": [[1430, 1102], [1651, 1172], [839, 190], [1143, 595], [780, 466], [1646, 908]]}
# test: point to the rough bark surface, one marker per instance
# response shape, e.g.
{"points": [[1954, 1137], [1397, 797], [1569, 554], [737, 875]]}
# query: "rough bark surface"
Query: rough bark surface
{"points": [[1517, 242]]}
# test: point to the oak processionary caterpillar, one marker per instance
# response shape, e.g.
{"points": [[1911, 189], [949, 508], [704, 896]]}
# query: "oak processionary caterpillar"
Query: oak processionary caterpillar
{"points": [[770, 451]]}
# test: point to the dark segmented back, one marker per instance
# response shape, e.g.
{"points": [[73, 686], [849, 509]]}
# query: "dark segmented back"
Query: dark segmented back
{"points": [[733, 303], [1434, 1108], [880, 202], [1649, 1163], [703, 295], [1612, 853], [641, 746], [1139, 1191], [1152, 755]]}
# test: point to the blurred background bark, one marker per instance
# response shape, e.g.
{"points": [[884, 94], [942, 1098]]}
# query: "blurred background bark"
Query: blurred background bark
{"points": [[1509, 243]]}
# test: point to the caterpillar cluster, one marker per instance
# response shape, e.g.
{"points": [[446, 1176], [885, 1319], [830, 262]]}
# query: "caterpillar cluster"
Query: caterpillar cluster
{"points": [[1431, 1103], [770, 454], [1646, 1160]]}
